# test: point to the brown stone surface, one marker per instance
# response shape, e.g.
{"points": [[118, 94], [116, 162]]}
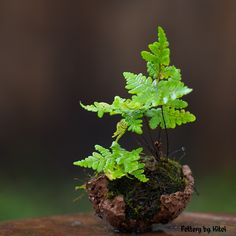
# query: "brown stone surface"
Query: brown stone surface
{"points": [[88, 225]]}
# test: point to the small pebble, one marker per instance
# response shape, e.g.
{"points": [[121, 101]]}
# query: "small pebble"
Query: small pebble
{"points": [[75, 223]]}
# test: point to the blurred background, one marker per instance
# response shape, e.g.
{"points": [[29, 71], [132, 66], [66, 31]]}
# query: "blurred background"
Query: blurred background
{"points": [[55, 53]]}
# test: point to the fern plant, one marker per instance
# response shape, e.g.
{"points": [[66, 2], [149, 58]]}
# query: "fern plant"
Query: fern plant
{"points": [[156, 97]]}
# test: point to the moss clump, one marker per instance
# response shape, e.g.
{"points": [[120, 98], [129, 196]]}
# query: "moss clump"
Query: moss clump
{"points": [[143, 199]]}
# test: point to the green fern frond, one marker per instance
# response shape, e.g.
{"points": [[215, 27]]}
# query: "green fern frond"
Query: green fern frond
{"points": [[177, 104], [159, 55], [142, 87], [99, 107], [116, 162], [96, 162], [176, 117], [135, 123], [137, 83], [171, 72], [140, 176], [102, 150], [170, 90], [172, 117], [153, 69], [163, 47]]}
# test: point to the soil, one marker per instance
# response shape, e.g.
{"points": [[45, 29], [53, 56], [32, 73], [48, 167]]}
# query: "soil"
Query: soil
{"points": [[132, 206]]}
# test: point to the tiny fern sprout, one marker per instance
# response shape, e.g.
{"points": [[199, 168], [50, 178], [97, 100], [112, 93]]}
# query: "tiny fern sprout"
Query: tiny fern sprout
{"points": [[120, 129], [156, 97]]}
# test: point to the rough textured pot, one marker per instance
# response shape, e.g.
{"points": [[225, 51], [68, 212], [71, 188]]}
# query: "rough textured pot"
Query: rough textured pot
{"points": [[113, 210]]}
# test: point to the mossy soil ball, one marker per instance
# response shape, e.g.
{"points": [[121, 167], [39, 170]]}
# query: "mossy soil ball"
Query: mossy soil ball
{"points": [[133, 206]]}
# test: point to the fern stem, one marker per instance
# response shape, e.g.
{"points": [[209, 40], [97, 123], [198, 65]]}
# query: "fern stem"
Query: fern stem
{"points": [[144, 143], [156, 151], [149, 131], [167, 137], [159, 135]]}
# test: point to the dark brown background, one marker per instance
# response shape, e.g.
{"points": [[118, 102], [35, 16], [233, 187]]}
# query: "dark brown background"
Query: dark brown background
{"points": [[55, 53]]}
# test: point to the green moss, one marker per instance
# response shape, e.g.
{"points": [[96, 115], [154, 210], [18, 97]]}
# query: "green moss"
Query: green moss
{"points": [[143, 199]]}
